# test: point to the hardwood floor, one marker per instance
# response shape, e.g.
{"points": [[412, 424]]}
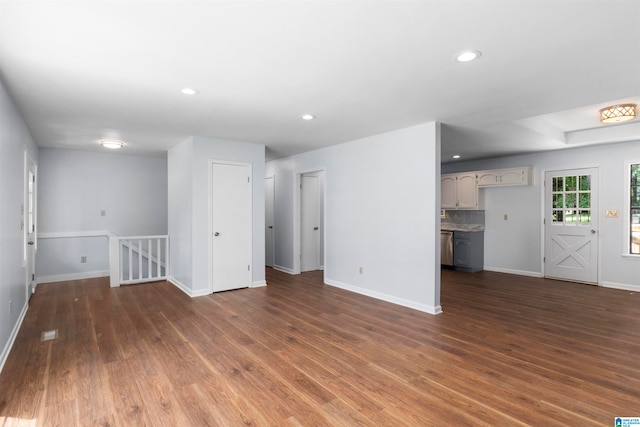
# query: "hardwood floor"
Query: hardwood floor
{"points": [[507, 351]]}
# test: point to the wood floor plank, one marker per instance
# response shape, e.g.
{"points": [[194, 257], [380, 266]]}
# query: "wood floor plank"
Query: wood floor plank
{"points": [[508, 350]]}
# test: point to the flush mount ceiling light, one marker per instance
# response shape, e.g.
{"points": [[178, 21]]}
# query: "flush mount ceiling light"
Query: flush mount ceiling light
{"points": [[189, 91], [467, 55], [112, 144], [618, 113], [308, 117]]}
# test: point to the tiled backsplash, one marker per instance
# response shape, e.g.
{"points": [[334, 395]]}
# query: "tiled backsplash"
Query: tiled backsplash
{"points": [[463, 217]]}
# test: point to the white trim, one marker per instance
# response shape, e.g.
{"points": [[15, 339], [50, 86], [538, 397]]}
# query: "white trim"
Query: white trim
{"points": [[285, 269], [385, 297], [190, 293], [626, 226], [623, 286], [73, 276], [259, 284], [12, 337], [66, 234], [516, 272]]}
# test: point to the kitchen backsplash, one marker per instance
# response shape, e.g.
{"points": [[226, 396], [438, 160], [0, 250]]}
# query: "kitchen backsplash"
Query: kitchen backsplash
{"points": [[463, 217]]}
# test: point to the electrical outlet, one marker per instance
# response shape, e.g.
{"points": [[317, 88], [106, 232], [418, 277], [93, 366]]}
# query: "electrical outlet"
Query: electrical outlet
{"points": [[360, 270], [506, 217], [103, 213], [83, 259]]}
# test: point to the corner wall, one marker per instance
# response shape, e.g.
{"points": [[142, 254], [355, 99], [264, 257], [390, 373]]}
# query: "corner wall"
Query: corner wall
{"points": [[382, 214]]}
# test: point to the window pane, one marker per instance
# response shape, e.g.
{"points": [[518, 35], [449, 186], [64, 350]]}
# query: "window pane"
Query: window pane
{"points": [[570, 184], [558, 184], [558, 201], [569, 216], [584, 216], [558, 216], [585, 200], [585, 182], [571, 201]]}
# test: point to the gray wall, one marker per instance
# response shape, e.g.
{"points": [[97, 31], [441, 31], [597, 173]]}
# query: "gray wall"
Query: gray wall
{"points": [[382, 214], [516, 245], [74, 187], [15, 139]]}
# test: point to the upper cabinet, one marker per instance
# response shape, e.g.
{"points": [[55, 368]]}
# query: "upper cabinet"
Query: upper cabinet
{"points": [[459, 191], [504, 177]]}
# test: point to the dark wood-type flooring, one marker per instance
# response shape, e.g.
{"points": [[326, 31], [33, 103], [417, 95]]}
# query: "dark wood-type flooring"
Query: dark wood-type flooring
{"points": [[507, 351]]}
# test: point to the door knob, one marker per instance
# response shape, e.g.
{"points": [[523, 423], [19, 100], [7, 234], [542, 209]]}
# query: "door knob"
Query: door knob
{"points": [[315, 228], [216, 234], [271, 226], [31, 243], [593, 231]]}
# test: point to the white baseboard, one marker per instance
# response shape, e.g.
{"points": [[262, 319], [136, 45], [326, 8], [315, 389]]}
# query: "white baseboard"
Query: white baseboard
{"points": [[516, 272], [12, 338], [385, 297], [284, 269], [623, 286], [259, 284], [178, 284], [73, 276]]}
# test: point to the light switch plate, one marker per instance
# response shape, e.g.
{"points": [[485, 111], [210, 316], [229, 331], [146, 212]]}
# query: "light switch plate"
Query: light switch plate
{"points": [[611, 213]]}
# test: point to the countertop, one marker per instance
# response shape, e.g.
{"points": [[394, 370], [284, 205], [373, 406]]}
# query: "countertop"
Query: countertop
{"points": [[461, 227]]}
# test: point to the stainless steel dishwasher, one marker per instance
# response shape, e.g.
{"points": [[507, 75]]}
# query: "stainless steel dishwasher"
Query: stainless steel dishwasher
{"points": [[446, 248]]}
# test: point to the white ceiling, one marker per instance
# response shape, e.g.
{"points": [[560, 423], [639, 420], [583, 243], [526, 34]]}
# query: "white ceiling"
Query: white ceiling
{"points": [[80, 71]]}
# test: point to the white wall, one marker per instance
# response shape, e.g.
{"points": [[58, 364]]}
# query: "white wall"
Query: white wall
{"points": [[14, 140], [189, 189], [382, 214], [74, 187], [516, 245]]}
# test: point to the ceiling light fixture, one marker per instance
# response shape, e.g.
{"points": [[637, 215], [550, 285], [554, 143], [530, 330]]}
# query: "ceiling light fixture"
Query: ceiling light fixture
{"points": [[618, 113], [468, 55], [189, 91], [456, 156], [308, 117], [112, 144]]}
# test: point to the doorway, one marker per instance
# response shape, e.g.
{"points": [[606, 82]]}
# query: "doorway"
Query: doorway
{"points": [[571, 225], [29, 224], [269, 194], [312, 221], [231, 226]]}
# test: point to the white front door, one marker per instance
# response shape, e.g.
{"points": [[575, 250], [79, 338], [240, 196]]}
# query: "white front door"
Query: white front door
{"points": [[309, 223], [30, 226], [571, 225], [269, 193], [231, 226]]}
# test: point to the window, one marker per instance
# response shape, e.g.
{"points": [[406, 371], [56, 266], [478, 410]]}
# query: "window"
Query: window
{"points": [[634, 208], [571, 200]]}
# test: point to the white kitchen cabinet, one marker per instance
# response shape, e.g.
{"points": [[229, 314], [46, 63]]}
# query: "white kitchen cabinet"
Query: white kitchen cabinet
{"points": [[459, 191], [504, 177]]}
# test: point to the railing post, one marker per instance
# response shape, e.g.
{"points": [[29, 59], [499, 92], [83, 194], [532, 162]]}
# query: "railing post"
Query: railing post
{"points": [[114, 261]]}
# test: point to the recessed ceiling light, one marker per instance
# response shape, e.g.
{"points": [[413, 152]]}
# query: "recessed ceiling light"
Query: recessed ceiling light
{"points": [[189, 91], [467, 55], [308, 117], [113, 144], [456, 156]]}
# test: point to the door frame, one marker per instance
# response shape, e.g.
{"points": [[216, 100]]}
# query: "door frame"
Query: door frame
{"points": [[273, 232], [210, 217], [543, 235], [297, 235]]}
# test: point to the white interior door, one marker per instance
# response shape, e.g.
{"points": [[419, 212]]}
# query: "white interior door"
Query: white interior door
{"points": [[269, 193], [30, 227], [231, 226], [571, 225], [309, 223]]}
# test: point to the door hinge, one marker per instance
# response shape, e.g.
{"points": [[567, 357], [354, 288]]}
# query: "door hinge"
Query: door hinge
{"points": [[33, 277], [248, 268], [544, 259], [248, 179]]}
